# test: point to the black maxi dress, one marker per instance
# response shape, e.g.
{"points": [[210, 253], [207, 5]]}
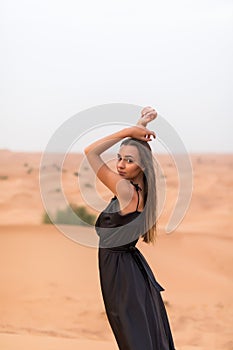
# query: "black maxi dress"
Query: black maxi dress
{"points": [[131, 294]]}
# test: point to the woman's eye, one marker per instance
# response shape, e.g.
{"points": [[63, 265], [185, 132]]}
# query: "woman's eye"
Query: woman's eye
{"points": [[127, 160]]}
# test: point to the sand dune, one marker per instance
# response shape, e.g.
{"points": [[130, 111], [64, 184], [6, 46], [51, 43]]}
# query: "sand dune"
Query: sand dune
{"points": [[50, 295], [9, 341]]}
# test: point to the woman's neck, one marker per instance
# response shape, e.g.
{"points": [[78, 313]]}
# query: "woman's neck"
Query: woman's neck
{"points": [[139, 181]]}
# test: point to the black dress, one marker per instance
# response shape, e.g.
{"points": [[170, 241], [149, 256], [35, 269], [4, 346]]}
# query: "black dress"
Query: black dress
{"points": [[131, 294]]}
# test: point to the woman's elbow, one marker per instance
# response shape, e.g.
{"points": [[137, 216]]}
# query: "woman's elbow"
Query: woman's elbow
{"points": [[86, 150]]}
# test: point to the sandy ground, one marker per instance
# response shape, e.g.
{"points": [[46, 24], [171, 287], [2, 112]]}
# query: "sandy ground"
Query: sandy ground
{"points": [[50, 294]]}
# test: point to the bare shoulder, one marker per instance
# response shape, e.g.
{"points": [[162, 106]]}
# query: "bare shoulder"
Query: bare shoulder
{"points": [[119, 186]]}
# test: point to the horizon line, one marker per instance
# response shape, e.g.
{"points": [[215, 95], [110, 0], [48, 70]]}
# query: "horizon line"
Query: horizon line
{"points": [[80, 152]]}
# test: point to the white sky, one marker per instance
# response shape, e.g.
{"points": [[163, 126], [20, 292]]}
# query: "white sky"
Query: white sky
{"points": [[61, 57]]}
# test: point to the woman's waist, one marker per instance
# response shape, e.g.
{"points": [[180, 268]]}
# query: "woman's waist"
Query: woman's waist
{"points": [[123, 248]]}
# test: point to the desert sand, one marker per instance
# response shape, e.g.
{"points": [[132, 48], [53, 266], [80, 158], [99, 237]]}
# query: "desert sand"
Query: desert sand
{"points": [[50, 295]]}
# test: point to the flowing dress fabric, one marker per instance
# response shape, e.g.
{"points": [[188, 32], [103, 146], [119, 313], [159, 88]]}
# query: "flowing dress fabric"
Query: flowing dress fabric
{"points": [[131, 294]]}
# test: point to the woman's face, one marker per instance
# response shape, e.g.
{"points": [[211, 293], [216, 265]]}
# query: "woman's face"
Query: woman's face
{"points": [[128, 162]]}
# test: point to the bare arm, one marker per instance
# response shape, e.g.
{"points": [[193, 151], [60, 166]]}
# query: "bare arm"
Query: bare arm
{"points": [[120, 187]]}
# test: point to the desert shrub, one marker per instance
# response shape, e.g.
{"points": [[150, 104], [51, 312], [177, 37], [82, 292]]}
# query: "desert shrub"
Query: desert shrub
{"points": [[46, 219], [29, 170], [3, 177], [88, 185], [72, 215], [82, 212], [56, 166]]}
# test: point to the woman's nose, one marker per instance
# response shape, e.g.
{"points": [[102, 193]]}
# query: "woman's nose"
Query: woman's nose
{"points": [[121, 163]]}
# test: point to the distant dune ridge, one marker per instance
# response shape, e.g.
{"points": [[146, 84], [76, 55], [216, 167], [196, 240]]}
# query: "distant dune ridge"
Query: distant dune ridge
{"points": [[50, 294]]}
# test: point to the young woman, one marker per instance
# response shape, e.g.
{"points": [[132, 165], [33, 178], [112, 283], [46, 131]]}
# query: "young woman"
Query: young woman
{"points": [[131, 294]]}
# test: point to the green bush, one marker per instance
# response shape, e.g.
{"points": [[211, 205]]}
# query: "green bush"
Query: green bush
{"points": [[29, 170], [3, 177], [72, 215], [88, 185], [46, 219]]}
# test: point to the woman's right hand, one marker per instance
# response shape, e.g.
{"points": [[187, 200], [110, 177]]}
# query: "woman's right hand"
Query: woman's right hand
{"points": [[140, 132]]}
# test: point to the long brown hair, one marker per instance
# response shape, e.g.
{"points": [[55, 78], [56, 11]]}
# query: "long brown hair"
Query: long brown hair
{"points": [[150, 192]]}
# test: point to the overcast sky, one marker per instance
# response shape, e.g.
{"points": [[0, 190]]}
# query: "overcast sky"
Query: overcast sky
{"points": [[59, 58]]}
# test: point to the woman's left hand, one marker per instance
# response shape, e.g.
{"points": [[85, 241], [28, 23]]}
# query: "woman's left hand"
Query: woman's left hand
{"points": [[147, 115]]}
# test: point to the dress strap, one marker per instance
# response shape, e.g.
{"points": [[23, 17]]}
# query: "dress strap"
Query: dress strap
{"points": [[138, 200], [137, 187]]}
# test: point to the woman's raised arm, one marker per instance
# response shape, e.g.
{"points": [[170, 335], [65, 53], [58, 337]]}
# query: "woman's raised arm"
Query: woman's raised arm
{"points": [[119, 186]]}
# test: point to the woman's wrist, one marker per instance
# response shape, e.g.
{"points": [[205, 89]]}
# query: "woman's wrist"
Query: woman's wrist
{"points": [[129, 132], [141, 122]]}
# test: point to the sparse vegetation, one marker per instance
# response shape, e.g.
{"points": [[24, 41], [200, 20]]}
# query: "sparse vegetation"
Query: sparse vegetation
{"points": [[3, 177], [88, 185], [56, 167], [46, 219], [29, 170], [72, 215]]}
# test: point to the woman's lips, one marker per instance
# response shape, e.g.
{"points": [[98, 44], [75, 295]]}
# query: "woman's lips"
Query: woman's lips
{"points": [[121, 173]]}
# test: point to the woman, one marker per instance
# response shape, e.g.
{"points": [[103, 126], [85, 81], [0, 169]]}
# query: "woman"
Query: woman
{"points": [[131, 294]]}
